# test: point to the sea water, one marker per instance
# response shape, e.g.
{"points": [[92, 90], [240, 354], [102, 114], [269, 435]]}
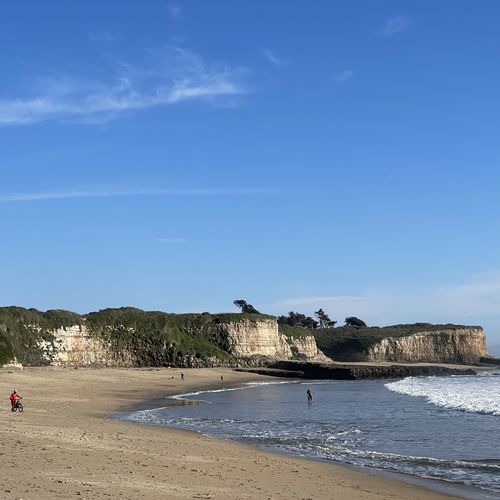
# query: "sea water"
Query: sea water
{"points": [[445, 428]]}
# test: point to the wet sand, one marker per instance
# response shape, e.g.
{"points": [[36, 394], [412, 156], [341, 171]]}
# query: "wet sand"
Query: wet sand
{"points": [[62, 447]]}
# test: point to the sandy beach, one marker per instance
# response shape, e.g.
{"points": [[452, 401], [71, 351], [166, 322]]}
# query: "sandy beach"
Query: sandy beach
{"points": [[62, 446]]}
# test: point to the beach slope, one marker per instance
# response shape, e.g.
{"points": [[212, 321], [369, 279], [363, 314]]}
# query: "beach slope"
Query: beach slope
{"points": [[62, 447]]}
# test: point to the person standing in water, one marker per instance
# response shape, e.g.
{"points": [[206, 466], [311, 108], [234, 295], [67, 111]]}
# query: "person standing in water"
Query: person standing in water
{"points": [[309, 396]]}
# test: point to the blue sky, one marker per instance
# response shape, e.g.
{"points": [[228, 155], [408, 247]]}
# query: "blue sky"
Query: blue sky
{"points": [[179, 155]]}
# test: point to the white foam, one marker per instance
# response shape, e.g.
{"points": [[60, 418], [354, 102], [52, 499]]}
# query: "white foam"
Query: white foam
{"points": [[466, 393], [197, 393], [281, 382], [229, 389]]}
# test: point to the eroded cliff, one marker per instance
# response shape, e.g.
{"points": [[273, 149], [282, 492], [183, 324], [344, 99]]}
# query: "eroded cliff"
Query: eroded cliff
{"points": [[461, 345], [262, 338], [74, 346], [407, 343], [128, 337]]}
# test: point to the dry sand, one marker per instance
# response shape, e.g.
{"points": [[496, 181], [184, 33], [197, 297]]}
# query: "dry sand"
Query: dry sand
{"points": [[61, 446]]}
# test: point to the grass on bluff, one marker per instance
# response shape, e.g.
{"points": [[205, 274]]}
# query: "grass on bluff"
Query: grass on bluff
{"points": [[292, 332], [157, 338], [21, 330], [153, 338]]}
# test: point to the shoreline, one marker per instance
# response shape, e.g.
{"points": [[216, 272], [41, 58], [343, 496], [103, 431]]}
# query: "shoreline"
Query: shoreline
{"points": [[436, 485], [63, 447]]}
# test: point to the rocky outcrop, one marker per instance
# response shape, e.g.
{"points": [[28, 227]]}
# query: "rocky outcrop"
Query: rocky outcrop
{"points": [[346, 371], [490, 360], [305, 348], [460, 345], [13, 363]]}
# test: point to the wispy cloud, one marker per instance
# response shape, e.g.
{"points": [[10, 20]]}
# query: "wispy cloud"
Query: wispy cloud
{"points": [[396, 24], [176, 12], [343, 76], [477, 301], [169, 77], [274, 58], [117, 192]]}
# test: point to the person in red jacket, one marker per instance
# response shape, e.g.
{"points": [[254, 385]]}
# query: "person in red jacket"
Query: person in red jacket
{"points": [[13, 398]]}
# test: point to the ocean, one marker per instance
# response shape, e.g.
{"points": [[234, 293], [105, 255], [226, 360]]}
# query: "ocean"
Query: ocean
{"points": [[441, 428]]}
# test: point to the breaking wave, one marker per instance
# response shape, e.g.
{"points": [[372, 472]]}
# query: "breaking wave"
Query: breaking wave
{"points": [[465, 393]]}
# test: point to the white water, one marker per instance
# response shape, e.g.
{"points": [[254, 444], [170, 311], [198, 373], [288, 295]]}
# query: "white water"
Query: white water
{"points": [[471, 394]]}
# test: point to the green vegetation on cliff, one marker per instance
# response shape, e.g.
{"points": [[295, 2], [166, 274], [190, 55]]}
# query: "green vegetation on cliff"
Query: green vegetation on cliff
{"points": [[294, 331], [22, 329], [157, 338], [152, 338]]}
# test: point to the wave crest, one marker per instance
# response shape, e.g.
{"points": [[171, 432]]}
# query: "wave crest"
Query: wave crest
{"points": [[471, 394]]}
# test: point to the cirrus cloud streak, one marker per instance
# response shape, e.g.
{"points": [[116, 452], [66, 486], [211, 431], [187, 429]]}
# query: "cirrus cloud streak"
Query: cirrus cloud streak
{"points": [[117, 192], [168, 77]]}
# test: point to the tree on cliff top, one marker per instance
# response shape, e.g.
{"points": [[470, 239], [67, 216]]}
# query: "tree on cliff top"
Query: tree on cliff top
{"points": [[324, 319], [297, 319], [356, 322], [245, 307]]}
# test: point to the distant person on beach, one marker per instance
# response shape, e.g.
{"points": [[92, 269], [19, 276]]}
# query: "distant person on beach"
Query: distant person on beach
{"points": [[221, 378], [309, 395], [182, 376]]}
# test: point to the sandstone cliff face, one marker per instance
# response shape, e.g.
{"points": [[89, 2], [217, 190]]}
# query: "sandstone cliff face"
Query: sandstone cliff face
{"points": [[74, 346], [257, 338], [262, 338], [464, 345], [305, 349]]}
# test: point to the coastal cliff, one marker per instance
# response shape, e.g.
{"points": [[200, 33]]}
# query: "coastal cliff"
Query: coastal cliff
{"points": [[249, 338], [259, 340], [256, 338], [129, 337], [461, 345], [412, 343], [74, 346]]}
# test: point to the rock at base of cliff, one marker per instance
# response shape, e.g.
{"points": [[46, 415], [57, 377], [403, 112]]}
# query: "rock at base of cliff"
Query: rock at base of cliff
{"points": [[13, 363]]}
